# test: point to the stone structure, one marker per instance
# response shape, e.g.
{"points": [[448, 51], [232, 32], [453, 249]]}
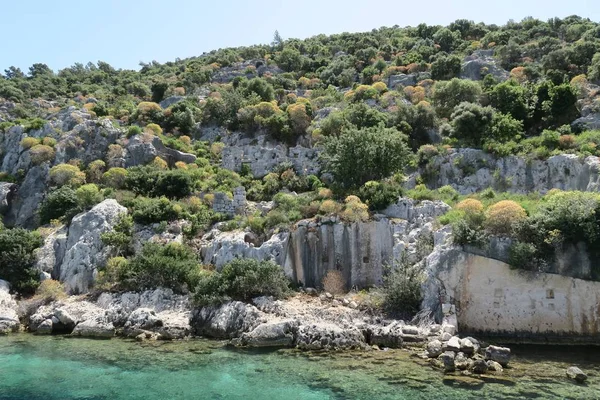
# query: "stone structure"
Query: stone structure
{"points": [[222, 204], [493, 299]]}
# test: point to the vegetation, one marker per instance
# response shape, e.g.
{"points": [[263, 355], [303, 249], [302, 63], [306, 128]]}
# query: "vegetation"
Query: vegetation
{"points": [[17, 259], [242, 279]]}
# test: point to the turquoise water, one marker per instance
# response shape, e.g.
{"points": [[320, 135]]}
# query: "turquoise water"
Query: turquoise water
{"points": [[65, 368]]}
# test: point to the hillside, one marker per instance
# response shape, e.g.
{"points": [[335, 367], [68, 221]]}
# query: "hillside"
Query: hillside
{"points": [[472, 134]]}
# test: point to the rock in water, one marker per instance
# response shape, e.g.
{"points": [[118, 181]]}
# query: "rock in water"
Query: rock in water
{"points": [[494, 366], [271, 334], [94, 328], [576, 374], [226, 321], [479, 367], [448, 359], [434, 349], [453, 344], [499, 354]]}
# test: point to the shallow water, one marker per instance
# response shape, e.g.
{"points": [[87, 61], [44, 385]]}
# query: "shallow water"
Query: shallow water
{"points": [[34, 367]]}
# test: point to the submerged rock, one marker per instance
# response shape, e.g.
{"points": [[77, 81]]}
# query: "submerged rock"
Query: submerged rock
{"points": [[271, 334], [327, 336], [499, 354], [94, 328], [576, 374]]}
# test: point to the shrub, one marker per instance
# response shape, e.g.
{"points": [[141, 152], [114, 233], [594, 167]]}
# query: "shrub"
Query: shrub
{"points": [[402, 291], [95, 170], [334, 283], [173, 266], [29, 142], [133, 130], [66, 174], [153, 129], [355, 210], [379, 195], [121, 236], [173, 184], [17, 259], [473, 210], [49, 291], [115, 178], [448, 94], [330, 207], [159, 163], [151, 210], [362, 155], [471, 123], [523, 256], [242, 279], [108, 277], [88, 196], [60, 204], [502, 217], [148, 112], [41, 153]]}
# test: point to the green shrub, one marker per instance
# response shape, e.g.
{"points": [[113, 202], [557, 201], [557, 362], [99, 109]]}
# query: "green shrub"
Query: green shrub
{"points": [[173, 266], [17, 259], [133, 130], [66, 174], [49, 291], [88, 196], [379, 195], [362, 155], [502, 217], [151, 210], [173, 184], [29, 142], [523, 256], [61, 204], [402, 291], [242, 279], [121, 236], [41, 153], [115, 178]]}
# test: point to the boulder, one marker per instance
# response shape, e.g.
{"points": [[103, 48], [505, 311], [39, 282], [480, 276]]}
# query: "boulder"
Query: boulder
{"points": [[447, 358], [434, 348], [386, 336], [499, 354], [226, 321], [85, 251], [45, 327], [94, 328], [576, 374], [271, 334], [9, 320], [452, 345], [141, 319], [401, 79], [467, 347], [7, 193], [462, 362], [479, 367], [493, 366], [327, 336]]}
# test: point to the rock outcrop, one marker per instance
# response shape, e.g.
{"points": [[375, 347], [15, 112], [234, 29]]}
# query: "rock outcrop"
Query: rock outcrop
{"points": [[471, 170], [84, 251], [9, 320], [481, 63]]}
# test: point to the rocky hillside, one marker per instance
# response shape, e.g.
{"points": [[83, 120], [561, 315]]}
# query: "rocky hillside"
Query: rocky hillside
{"points": [[336, 163]]}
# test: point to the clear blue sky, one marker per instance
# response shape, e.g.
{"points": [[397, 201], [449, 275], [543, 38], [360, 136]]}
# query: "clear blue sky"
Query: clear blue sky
{"points": [[125, 32]]}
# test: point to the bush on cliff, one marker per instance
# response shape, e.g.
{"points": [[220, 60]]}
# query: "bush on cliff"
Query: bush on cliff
{"points": [[174, 266], [59, 204], [17, 259], [242, 279]]}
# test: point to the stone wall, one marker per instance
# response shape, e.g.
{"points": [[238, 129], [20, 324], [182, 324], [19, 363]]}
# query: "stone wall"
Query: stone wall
{"points": [[493, 299], [224, 205]]}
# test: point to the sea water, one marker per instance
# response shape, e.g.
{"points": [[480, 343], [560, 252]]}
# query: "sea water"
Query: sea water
{"points": [[54, 367]]}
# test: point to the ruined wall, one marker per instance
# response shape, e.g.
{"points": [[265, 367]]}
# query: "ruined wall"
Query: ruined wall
{"points": [[491, 298]]}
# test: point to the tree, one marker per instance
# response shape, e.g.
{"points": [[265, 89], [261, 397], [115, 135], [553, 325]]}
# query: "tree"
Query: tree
{"points": [[361, 155], [471, 123], [444, 67], [277, 40], [289, 59], [447, 39], [14, 73], [449, 94], [510, 98], [594, 69], [17, 258]]}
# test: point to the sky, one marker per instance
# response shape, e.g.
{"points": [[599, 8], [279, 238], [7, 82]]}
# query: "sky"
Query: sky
{"points": [[123, 33]]}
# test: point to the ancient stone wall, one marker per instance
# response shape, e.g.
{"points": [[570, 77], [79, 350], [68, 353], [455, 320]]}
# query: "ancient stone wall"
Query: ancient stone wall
{"points": [[224, 205]]}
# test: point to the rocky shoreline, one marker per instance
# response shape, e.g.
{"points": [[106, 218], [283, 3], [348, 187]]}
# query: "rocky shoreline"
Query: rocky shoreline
{"points": [[306, 321]]}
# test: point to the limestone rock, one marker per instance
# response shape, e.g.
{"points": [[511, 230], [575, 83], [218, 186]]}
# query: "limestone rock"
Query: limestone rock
{"points": [[467, 347], [576, 374], [51, 254], [386, 336], [94, 328], [7, 193], [85, 251], [462, 362], [499, 354], [327, 336], [226, 321], [447, 359], [9, 320], [271, 334], [452, 345], [28, 198], [481, 63], [434, 348], [479, 367], [493, 366]]}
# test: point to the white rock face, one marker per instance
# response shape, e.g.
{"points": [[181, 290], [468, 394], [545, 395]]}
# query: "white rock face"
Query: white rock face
{"points": [[84, 249], [472, 170], [9, 320], [219, 248]]}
